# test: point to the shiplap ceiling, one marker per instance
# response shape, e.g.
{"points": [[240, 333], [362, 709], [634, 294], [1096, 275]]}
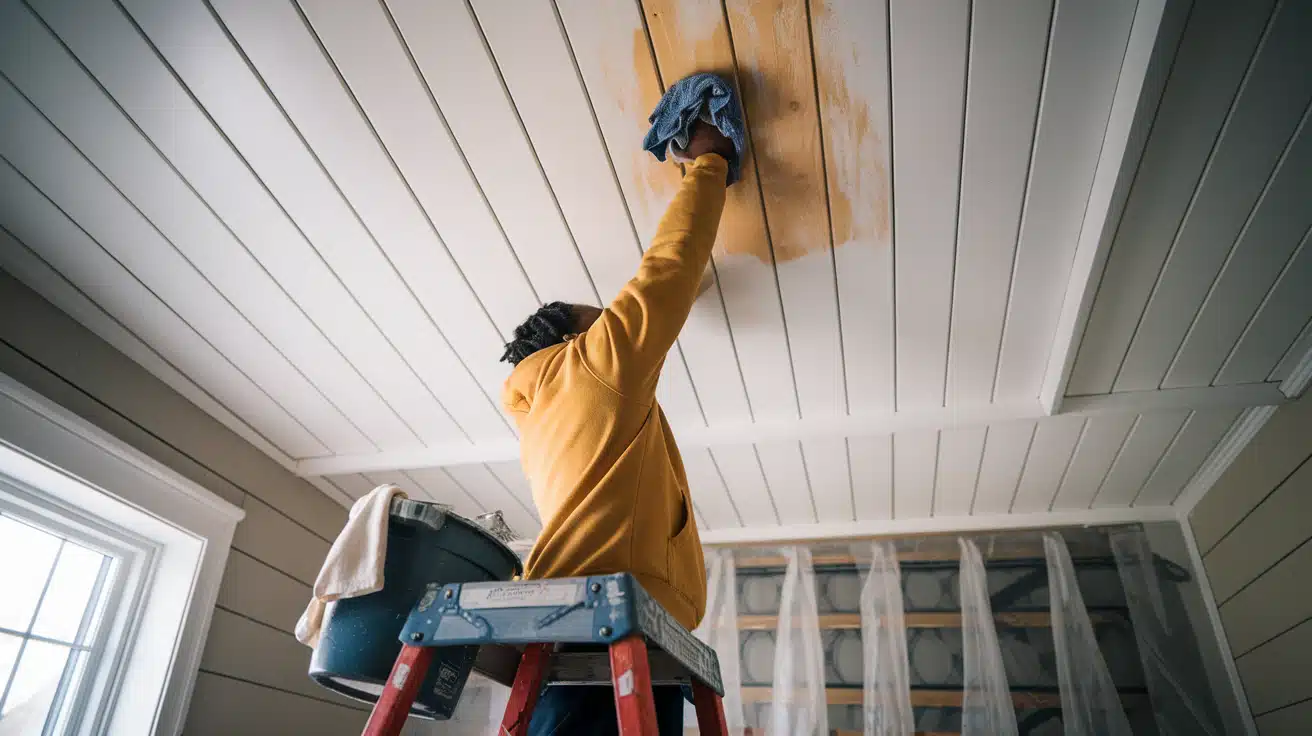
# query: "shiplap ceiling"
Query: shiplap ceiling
{"points": [[996, 257]]}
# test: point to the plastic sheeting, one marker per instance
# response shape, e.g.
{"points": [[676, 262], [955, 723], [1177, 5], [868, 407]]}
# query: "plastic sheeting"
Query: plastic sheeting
{"points": [[479, 712], [799, 706], [886, 710], [1090, 705], [719, 629], [986, 707], [1179, 704]]}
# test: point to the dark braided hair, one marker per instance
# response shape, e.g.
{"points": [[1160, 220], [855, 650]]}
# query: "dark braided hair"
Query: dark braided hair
{"points": [[544, 328]]}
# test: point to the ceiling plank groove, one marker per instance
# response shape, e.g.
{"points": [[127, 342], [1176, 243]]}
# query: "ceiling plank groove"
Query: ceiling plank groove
{"points": [[1006, 454], [786, 480], [960, 453], [744, 480], [191, 42], [871, 462], [829, 473], [1210, 65], [1277, 323], [1100, 444], [1200, 435], [1261, 131], [915, 464], [708, 490], [1145, 448]]}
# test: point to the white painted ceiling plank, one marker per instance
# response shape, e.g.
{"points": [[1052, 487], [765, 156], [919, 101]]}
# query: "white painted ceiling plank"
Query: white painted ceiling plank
{"points": [[831, 486], [959, 454], [1100, 444], [196, 48], [371, 58], [532, 54], [915, 459], [83, 113], [1145, 448], [1008, 46], [73, 255], [291, 63], [1050, 455], [871, 460], [35, 148], [785, 478], [707, 490], [1006, 453], [1269, 115], [606, 37], [1187, 453], [852, 72], [354, 485], [1084, 64], [1276, 325], [1279, 223], [743, 479], [929, 45], [480, 483], [1208, 69], [441, 488], [105, 41], [780, 99], [331, 490]]}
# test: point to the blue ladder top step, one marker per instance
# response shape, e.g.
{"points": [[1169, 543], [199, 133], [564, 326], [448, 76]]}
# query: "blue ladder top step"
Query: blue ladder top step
{"points": [[593, 610]]}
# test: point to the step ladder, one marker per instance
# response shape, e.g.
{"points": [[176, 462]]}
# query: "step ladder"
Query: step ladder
{"points": [[609, 630]]}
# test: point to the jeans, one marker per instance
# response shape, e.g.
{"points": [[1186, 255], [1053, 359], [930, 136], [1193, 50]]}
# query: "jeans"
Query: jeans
{"points": [[587, 710]]}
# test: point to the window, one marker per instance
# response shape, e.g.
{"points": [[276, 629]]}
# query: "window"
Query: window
{"points": [[55, 599]]}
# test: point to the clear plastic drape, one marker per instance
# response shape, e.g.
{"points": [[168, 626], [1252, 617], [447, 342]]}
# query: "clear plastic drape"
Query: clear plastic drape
{"points": [[1090, 705], [799, 706], [887, 685], [1180, 706], [986, 708], [719, 629], [479, 711]]}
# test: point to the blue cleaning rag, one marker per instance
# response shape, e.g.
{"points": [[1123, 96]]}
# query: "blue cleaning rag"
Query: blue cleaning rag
{"points": [[706, 97]]}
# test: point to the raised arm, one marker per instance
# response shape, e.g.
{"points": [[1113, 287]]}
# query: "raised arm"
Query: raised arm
{"points": [[627, 344]]}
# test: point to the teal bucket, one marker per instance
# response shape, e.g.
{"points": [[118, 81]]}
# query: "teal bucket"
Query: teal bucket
{"points": [[358, 642]]}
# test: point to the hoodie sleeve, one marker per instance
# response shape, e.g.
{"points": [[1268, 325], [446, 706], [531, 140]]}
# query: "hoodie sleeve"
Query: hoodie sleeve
{"points": [[627, 344]]}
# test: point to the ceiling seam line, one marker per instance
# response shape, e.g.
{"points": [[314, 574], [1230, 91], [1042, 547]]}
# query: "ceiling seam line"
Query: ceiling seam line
{"points": [[1025, 198], [628, 211], [1111, 467], [1024, 465], [725, 486], [532, 511], [1266, 298], [1075, 450], [1234, 246], [373, 237], [810, 489], [765, 218], [278, 203], [461, 486], [892, 222], [455, 142], [956, 221], [226, 227], [137, 424], [760, 468], [528, 140], [829, 210], [933, 486], [1201, 182], [1170, 446], [979, 469], [396, 168], [1292, 347], [189, 326]]}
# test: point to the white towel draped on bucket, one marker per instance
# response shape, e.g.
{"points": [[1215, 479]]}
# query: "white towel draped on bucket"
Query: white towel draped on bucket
{"points": [[354, 565]]}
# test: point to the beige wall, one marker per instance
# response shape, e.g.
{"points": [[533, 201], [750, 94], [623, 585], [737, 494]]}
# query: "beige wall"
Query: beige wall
{"points": [[252, 679], [1254, 528]]}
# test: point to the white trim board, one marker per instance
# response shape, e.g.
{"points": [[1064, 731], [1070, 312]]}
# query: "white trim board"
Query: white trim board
{"points": [[936, 525], [1235, 440], [807, 428]]}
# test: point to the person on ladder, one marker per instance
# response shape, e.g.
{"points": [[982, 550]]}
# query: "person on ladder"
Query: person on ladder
{"points": [[598, 452]]}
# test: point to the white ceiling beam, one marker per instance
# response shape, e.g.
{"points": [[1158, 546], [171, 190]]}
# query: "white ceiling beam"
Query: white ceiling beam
{"points": [[808, 428], [936, 525], [1153, 39]]}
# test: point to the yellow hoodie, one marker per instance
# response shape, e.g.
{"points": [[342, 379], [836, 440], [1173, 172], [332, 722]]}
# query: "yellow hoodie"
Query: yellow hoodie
{"points": [[606, 474]]}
